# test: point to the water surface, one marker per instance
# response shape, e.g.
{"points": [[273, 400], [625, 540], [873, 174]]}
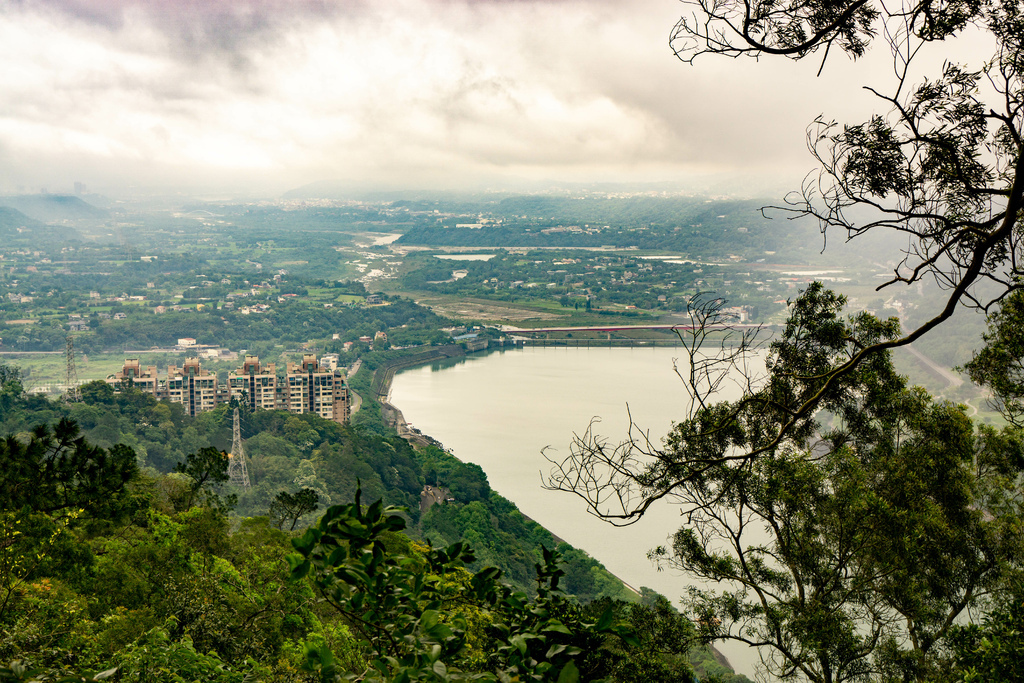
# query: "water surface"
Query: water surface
{"points": [[502, 410]]}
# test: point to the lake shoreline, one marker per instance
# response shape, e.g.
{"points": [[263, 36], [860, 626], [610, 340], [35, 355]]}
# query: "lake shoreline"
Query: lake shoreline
{"points": [[502, 412], [395, 418]]}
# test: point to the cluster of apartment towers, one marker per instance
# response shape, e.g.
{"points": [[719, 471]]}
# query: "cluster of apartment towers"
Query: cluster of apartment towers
{"points": [[306, 387]]}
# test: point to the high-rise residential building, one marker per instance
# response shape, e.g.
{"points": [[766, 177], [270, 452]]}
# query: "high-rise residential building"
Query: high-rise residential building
{"points": [[311, 389], [254, 383], [192, 386], [133, 375], [307, 387]]}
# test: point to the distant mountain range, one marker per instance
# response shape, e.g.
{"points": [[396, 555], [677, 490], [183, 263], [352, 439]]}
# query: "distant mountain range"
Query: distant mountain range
{"points": [[53, 207]]}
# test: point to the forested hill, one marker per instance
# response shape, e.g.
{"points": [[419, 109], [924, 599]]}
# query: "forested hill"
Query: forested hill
{"points": [[12, 219], [54, 207], [17, 228], [288, 452], [129, 549]]}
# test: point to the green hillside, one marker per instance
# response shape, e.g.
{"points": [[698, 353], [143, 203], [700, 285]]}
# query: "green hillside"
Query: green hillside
{"points": [[125, 547], [18, 228], [53, 207]]}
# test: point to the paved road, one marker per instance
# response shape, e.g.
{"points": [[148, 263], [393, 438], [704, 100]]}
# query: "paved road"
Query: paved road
{"points": [[356, 399], [356, 402], [31, 353], [954, 380]]}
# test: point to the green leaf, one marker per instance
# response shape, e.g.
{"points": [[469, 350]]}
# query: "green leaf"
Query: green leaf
{"points": [[326, 657], [429, 619], [305, 543], [299, 570], [440, 632], [605, 621], [569, 673], [557, 627], [337, 556], [555, 649], [627, 635]]}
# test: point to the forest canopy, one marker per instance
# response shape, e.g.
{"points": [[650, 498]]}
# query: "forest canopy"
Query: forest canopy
{"points": [[851, 548]]}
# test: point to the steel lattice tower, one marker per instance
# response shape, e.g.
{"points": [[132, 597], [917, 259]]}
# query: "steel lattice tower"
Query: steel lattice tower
{"points": [[70, 372], [238, 474]]}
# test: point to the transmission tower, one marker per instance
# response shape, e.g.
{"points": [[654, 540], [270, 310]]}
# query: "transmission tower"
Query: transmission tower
{"points": [[238, 474], [126, 245], [71, 394]]}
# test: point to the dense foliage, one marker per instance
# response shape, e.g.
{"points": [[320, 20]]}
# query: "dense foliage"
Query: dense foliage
{"points": [[289, 453], [290, 323], [410, 613], [170, 573], [848, 548], [1000, 364]]}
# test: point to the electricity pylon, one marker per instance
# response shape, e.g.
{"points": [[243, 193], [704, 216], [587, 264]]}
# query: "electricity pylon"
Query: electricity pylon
{"points": [[238, 473], [71, 393]]}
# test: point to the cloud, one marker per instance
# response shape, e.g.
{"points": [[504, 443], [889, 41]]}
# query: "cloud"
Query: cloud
{"points": [[413, 91]]}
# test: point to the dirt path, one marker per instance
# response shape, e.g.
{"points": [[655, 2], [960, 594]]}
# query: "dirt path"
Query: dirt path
{"points": [[974, 409]]}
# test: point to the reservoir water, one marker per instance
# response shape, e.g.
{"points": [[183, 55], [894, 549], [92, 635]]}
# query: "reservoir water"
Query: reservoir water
{"points": [[501, 410]]}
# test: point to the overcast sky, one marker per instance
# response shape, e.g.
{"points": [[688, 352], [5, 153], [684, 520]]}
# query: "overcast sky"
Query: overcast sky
{"points": [[404, 93]]}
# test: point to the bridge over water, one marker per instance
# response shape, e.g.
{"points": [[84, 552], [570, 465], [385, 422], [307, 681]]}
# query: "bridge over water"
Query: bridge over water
{"points": [[625, 328]]}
